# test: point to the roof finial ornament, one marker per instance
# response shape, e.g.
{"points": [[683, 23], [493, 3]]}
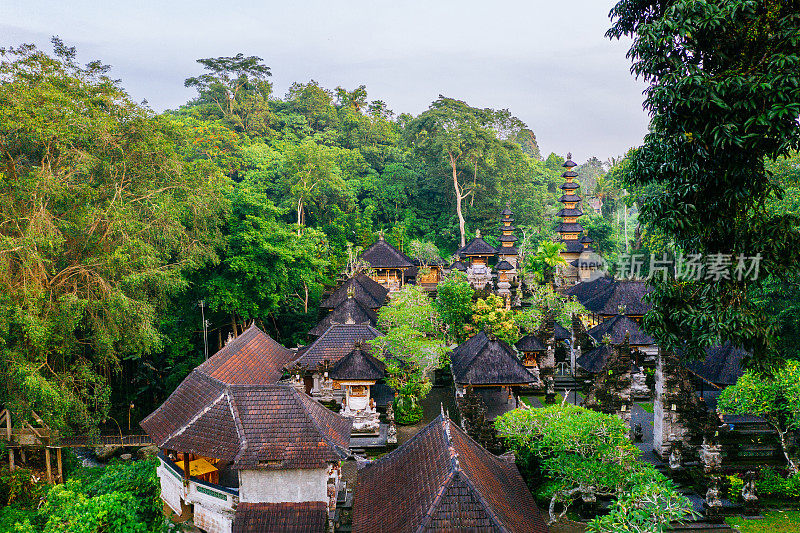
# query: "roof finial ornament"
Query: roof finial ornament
{"points": [[569, 155], [380, 235], [477, 234]]}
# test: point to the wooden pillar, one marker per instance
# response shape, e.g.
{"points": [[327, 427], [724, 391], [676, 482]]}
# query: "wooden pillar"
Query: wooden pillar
{"points": [[47, 462], [11, 459], [60, 468], [185, 468]]}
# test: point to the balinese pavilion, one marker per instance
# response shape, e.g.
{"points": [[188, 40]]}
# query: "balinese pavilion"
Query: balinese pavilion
{"points": [[233, 441], [337, 367], [442, 480], [368, 293], [490, 368], [350, 311], [388, 264], [532, 351], [604, 297], [477, 254]]}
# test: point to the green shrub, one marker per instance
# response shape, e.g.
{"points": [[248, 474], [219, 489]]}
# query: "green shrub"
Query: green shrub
{"points": [[735, 485], [772, 485]]}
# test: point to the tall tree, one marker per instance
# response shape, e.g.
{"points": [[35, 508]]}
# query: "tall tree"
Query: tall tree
{"points": [[724, 96], [237, 87], [464, 138], [100, 215]]}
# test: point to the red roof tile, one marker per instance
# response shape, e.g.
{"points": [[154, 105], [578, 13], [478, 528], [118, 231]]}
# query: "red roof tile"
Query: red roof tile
{"points": [[338, 341], [272, 427], [443, 480], [251, 358], [302, 517]]}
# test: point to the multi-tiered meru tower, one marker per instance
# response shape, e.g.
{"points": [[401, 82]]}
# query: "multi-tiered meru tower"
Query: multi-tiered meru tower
{"points": [[508, 250], [571, 233]]}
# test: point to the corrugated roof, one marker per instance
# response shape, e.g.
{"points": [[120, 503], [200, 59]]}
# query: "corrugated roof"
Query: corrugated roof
{"points": [[257, 427], [481, 360], [441, 480]]}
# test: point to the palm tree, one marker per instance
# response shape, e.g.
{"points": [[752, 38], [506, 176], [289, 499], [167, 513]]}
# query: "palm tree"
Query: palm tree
{"points": [[546, 260]]}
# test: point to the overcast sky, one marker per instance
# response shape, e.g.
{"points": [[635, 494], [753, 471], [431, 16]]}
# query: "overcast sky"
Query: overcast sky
{"points": [[548, 62]]}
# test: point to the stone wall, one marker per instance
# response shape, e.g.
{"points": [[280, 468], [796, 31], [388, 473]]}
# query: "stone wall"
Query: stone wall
{"points": [[274, 486]]}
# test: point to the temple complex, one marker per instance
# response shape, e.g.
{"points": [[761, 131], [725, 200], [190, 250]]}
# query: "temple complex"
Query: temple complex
{"points": [[442, 480], [338, 368], [491, 368], [476, 255], [260, 449], [388, 264]]}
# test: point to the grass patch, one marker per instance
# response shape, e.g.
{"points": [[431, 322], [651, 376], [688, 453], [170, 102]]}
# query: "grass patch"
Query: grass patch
{"points": [[773, 522], [526, 399], [648, 407]]}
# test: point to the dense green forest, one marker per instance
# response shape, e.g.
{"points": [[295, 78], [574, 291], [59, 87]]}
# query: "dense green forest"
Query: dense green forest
{"points": [[124, 229]]}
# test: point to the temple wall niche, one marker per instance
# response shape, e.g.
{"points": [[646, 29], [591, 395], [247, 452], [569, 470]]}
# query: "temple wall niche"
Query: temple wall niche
{"points": [[276, 486]]}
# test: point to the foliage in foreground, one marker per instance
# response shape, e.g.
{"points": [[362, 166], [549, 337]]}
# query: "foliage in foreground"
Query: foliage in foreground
{"points": [[120, 497], [724, 96], [579, 451], [775, 398]]}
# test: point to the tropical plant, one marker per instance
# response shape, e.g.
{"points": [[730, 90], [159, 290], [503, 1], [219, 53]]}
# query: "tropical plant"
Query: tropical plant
{"points": [[454, 303], [581, 451], [546, 261], [491, 316], [774, 397]]}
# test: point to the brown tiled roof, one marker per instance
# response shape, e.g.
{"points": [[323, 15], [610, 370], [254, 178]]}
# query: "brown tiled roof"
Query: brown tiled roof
{"points": [[604, 296], [441, 480], [359, 365], [368, 292], [256, 426], [338, 341], [349, 311], [383, 255], [477, 246], [251, 358], [298, 517], [617, 327], [529, 343], [484, 361]]}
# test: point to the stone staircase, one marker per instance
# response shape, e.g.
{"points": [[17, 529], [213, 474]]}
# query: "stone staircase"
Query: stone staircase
{"points": [[563, 383]]}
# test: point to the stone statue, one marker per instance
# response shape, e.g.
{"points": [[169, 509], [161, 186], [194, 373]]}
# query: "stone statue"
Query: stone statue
{"points": [[749, 494], [638, 433], [639, 388], [711, 456], [550, 389], [391, 434], [675, 457], [713, 499]]}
